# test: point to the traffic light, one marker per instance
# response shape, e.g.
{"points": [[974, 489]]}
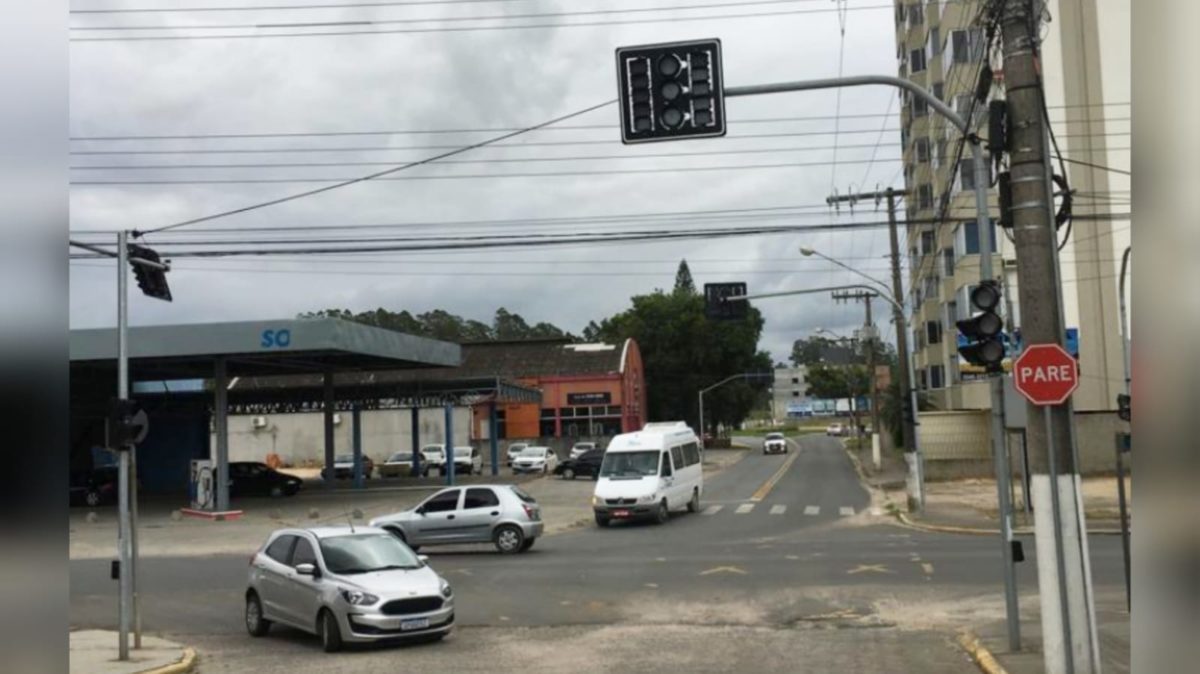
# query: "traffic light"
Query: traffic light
{"points": [[718, 307], [151, 278], [671, 90], [1124, 407], [984, 345], [127, 423]]}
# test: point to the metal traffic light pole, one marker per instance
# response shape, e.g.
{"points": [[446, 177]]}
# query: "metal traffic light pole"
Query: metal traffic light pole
{"points": [[743, 375], [124, 539]]}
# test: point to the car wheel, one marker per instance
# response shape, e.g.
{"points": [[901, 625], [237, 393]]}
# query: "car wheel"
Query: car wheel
{"points": [[256, 624], [527, 544], [601, 520], [442, 471], [276, 491], [694, 504], [568, 474], [92, 498], [508, 539], [662, 514], [331, 634]]}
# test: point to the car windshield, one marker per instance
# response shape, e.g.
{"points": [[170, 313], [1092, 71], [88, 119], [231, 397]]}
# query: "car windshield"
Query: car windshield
{"points": [[533, 452], [630, 464], [775, 436], [431, 449], [400, 457], [517, 449], [363, 553], [344, 458]]}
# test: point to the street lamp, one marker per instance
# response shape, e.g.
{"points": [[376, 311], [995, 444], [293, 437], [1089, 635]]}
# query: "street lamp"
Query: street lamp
{"points": [[809, 252]]}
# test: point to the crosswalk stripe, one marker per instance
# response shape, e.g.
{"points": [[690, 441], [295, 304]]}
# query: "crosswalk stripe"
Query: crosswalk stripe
{"points": [[713, 509], [744, 508], [812, 510], [846, 511], [778, 509]]}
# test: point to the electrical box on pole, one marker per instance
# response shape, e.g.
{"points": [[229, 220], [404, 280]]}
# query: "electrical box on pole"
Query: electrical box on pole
{"points": [[670, 91], [718, 306], [984, 346]]}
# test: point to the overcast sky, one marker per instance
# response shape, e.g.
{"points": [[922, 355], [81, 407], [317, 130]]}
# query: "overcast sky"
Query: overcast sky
{"points": [[471, 80]]}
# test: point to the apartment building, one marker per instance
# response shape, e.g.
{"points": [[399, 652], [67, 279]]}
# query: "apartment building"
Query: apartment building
{"points": [[941, 46]]}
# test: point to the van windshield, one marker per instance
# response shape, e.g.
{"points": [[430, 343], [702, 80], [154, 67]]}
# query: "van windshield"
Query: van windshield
{"points": [[630, 464]]}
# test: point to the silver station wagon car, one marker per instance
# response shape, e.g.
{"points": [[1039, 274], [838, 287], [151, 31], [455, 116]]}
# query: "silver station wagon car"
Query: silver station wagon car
{"points": [[346, 584]]}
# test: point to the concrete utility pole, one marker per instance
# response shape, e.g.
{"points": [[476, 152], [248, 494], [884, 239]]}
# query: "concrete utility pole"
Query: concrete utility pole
{"points": [[1064, 574], [869, 345]]}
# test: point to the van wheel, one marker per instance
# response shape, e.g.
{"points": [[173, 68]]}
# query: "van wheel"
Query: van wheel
{"points": [[662, 514], [694, 504], [601, 520], [331, 635], [508, 539]]}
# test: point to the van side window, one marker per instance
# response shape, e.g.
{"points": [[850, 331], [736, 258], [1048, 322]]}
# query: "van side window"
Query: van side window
{"points": [[665, 471], [677, 456], [691, 454]]}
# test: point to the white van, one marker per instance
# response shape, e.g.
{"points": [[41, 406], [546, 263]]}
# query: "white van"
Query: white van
{"points": [[649, 473]]}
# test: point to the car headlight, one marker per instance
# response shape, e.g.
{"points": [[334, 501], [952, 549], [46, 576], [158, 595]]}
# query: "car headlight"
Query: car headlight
{"points": [[446, 591], [648, 499], [359, 598], [596, 500]]}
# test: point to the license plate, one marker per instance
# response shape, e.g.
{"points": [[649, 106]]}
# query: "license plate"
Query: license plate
{"points": [[414, 624], [620, 513]]}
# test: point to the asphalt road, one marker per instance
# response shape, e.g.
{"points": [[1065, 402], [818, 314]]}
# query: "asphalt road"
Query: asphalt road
{"points": [[784, 543]]}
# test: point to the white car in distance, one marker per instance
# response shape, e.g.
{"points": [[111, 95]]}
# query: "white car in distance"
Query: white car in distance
{"points": [[535, 460]]}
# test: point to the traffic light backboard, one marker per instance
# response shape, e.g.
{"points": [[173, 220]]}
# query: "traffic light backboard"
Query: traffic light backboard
{"points": [[671, 90]]}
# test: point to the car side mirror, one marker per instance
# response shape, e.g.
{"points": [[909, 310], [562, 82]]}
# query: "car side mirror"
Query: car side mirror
{"points": [[424, 559], [307, 569]]}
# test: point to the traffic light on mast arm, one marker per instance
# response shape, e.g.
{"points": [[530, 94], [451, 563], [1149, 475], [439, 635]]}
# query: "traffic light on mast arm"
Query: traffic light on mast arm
{"points": [[150, 272], [984, 346], [718, 306], [671, 90]]}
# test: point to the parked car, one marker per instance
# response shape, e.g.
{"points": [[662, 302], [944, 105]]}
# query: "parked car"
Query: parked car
{"points": [[649, 473], [467, 461], [251, 478], [501, 514], [399, 464], [775, 443], [586, 465], [343, 467], [835, 429], [535, 460], [580, 448], [513, 450], [346, 584], [93, 487], [433, 459]]}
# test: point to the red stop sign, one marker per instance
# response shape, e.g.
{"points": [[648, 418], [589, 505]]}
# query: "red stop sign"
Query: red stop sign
{"points": [[1045, 374]]}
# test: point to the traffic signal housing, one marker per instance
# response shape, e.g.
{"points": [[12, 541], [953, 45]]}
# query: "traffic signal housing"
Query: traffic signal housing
{"points": [[671, 90], [1124, 407], [718, 306], [984, 345], [127, 423], [151, 278]]}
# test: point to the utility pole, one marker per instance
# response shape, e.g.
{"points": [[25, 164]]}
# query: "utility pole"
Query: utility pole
{"points": [[1064, 573], [908, 402], [869, 344]]}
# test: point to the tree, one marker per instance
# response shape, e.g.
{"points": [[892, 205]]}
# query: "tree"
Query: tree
{"points": [[684, 352], [835, 382], [683, 280], [808, 351], [441, 324]]}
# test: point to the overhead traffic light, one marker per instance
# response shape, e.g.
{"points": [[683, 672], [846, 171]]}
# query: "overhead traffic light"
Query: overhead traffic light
{"points": [[1124, 407], [718, 306], [671, 90], [984, 345], [150, 271]]}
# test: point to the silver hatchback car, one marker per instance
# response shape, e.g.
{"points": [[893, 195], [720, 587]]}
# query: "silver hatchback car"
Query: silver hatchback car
{"points": [[346, 584], [501, 514]]}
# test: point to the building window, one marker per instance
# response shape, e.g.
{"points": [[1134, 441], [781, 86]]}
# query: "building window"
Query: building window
{"points": [[795, 394], [921, 146], [916, 15], [934, 42], [962, 104], [919, 107], [939, 91], [922, 381], [928, 241], [933, 331], [937, 376], [965, 46], [948, 262], [916, 60], [939, 156], [967, 175], [966, 239], [795, 380], [925, 196]]}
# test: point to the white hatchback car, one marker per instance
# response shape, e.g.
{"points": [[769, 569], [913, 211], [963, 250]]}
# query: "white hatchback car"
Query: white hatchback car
{"points": [[535, 460]]}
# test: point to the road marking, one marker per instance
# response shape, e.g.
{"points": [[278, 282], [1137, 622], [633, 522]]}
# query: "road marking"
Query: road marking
{"points": [[792, 557], [724, 569], [812, 510], [927, 568], [713, 509], [869, 568], [660, 559], [845, 511], [778, 509], [652, 586], [744, 508], [770, 483]]}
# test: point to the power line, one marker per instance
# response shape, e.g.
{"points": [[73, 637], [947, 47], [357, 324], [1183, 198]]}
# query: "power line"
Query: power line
{"points": [[262, 8], [378, 174], [1097, 166]]}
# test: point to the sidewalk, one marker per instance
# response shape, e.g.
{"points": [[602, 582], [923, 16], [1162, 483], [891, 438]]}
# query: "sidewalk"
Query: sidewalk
{"points": [[95, 652], [1112, 624]]}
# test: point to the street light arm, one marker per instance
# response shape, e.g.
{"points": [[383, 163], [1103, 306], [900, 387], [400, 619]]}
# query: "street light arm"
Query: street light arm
{"points": [[809, 291], [848, 268]]}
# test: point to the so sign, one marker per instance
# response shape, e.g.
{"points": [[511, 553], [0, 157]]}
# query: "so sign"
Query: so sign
{"points": [[1045, 374]]}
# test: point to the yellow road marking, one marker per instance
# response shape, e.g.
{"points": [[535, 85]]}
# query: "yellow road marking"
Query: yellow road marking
{"points": [[869, 568], [724, 569], [770, 483], [927, 568]]}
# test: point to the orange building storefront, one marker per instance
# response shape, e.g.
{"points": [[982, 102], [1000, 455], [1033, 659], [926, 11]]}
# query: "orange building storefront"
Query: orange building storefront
{"points": [[588, 390]]}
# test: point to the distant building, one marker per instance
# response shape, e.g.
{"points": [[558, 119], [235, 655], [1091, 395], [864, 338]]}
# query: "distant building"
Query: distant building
{"points": [[790, 399]]}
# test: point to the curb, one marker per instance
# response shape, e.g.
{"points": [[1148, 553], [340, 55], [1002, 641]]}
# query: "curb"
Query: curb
{"points": [[185, 664], [980, 654], [975, 531]]}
